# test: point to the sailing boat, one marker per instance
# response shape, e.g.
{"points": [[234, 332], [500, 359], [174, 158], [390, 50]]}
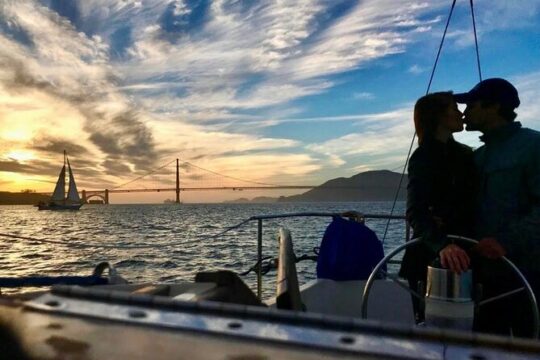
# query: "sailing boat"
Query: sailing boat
{"points": [[59, 200]]}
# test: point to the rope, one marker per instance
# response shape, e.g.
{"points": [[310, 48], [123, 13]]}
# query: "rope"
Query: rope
{"points": [[414, 135], [476, 41]]}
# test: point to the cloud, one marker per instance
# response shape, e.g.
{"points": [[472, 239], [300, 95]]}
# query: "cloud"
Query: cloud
{"points": [[528, 86], [416, 69], [384, 139], [290, 52], [56, 145], [70, 68], [363, 96]]}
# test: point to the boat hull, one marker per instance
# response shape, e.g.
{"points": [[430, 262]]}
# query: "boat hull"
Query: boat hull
{"points": [[58, 207]]}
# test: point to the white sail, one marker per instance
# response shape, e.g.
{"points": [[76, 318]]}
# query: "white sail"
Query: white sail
{"points": [[73, 195], [59, 194]]}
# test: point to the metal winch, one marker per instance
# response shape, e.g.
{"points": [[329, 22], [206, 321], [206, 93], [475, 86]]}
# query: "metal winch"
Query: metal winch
{"points": [[448, 301]]}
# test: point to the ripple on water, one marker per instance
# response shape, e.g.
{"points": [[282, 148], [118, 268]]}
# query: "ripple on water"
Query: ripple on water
{"points": [[128, 263], [168, 265]]}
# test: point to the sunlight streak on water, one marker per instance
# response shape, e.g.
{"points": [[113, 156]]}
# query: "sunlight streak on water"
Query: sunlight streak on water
{"points": [[178, 236]]}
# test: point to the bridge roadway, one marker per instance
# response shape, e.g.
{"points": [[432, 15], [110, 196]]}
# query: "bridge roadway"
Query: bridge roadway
{"points": [[203, 188], [104, 194]]}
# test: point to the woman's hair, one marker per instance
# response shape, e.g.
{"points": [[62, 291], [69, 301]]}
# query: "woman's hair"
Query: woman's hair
{"points": [[428, 111]]}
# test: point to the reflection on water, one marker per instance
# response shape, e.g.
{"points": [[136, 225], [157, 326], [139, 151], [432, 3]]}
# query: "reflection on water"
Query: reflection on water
{"points": [[178, 236]]}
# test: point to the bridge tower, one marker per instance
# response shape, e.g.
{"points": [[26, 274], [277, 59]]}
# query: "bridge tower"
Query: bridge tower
{"points": [[107, 196], [84, 200], [177, 182]]}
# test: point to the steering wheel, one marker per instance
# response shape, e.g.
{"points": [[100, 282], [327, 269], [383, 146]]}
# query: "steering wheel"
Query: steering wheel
{"points": [[526, 285]]}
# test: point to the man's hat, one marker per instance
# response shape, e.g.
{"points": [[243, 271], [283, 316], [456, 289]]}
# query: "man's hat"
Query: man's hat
{"points": [[495, 90]]}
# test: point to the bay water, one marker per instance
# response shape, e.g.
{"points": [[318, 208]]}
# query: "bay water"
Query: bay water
{"points": [[170, 242]]}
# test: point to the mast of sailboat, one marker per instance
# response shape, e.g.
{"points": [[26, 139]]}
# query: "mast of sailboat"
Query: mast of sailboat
{"points": [[65, 195]]}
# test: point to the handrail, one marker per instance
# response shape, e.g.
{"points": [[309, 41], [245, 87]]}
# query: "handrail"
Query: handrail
{"points": [[324, 214], [261, 218]]}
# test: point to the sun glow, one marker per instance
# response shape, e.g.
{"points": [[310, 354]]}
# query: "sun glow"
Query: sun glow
{"points": [[20, 155]]}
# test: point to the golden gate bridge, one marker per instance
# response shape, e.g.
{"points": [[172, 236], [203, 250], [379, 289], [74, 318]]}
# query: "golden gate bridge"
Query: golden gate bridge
{"points": [[104, 194]]}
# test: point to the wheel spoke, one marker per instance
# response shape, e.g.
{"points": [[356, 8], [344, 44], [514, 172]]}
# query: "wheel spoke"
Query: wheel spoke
{"points": [[401, 285], [500, 296]]}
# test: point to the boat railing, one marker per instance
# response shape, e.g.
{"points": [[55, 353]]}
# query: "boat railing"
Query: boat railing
{"points": [[358, 216]]}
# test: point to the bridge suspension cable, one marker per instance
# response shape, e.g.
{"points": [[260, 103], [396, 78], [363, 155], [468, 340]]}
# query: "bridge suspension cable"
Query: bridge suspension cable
{"points": [[142, 176], [227, 176]]}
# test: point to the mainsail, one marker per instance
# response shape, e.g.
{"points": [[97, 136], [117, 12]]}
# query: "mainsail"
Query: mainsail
{"points": [[58, 195]]}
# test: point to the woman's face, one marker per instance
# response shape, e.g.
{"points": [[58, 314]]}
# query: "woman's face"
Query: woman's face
{"points": [[453, 119]]}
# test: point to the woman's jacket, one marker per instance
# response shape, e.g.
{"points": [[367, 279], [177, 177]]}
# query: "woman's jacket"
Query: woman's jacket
{"points": [[440, 201]]}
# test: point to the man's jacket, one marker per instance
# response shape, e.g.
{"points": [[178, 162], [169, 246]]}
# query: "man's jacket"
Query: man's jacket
{"points": [[509, 192]]}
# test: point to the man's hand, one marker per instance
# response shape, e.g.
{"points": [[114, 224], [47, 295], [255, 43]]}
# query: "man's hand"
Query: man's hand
{"points": [[454, 258], [490, 248]]}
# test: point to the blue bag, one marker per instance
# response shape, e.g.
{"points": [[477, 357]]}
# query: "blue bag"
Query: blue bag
{"points": [[349, 251]]}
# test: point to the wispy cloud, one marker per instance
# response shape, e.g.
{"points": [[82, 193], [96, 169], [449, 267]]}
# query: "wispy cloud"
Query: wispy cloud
{"points": [[363, 96], [383, 141], [416, 69]]}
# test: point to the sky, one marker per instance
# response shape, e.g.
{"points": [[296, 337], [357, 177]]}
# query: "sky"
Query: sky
{"points": [[276, 91]]}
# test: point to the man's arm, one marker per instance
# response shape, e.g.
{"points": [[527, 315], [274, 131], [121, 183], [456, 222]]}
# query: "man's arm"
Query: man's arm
{"points": [[522, 231]]}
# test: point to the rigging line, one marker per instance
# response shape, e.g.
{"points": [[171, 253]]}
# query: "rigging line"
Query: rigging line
{"points": [[476, 41], [228, 229], [140, 177], [227, 176], [414, 135], [440, 47]]}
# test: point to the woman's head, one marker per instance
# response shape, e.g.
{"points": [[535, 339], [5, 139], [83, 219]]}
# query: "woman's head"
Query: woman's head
{"points": [[436, 113]]}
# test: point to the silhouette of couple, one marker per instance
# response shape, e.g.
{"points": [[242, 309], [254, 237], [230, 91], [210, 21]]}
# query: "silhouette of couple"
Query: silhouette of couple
{"points": [[491, 194]]}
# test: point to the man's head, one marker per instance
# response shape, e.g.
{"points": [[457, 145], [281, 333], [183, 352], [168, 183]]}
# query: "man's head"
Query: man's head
{"points": [[491, 103]]}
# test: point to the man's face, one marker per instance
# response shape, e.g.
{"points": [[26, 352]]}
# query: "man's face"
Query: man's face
{"points": [[478, 117]]}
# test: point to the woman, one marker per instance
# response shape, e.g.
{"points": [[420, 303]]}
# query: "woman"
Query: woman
{"points": [[440, 192]]}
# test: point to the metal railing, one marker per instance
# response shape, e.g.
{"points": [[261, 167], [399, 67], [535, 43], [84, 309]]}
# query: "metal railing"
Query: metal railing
{"points": [[359, 216]]}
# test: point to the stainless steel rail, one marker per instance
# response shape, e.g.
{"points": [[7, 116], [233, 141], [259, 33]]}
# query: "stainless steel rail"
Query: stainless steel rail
{"points": [[261, 218]]}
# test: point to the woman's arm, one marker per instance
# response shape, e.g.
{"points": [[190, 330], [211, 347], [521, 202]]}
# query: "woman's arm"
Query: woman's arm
{"points": [[419, 202]]}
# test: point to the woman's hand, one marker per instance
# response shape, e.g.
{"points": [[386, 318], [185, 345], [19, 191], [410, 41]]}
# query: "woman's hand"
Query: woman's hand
{"points": [[454, 258]]}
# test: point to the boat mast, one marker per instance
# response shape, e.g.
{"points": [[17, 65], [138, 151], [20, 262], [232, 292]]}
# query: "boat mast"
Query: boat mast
{"points": [[65, 155]]}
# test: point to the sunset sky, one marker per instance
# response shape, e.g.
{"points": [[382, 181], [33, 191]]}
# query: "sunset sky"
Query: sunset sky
{"points": [[280, 92]]}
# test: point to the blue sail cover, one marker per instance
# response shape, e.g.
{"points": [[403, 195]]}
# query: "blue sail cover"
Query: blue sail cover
{"points": [[349, 251]]}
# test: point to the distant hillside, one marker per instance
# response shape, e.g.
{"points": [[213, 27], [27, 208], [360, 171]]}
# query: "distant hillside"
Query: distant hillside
{"points": [[21, 198], [380, 185]]}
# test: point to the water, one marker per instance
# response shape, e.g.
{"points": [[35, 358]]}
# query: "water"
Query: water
{"points": [[178, 238]]}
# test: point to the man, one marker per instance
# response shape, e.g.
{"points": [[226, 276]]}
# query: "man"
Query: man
{"points": [[508, 210]]}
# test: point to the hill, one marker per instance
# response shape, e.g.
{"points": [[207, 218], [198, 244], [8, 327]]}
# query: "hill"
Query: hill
{"points": [[258, 200], [379, 185], [21, 198]]}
